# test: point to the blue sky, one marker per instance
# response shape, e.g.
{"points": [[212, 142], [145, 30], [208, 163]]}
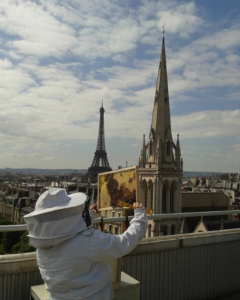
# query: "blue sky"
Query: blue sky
{"points": [[59, 59]]}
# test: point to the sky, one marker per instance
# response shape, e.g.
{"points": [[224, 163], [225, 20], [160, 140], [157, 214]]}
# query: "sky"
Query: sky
{"points": [[59, 59]]}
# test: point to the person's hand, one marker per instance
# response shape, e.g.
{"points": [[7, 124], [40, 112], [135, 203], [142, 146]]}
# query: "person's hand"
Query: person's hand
{"points": [[137, 205], [94, 207]]}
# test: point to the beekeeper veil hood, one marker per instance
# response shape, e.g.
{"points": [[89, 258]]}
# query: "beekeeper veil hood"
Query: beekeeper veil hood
{"points": [[57, 217]]}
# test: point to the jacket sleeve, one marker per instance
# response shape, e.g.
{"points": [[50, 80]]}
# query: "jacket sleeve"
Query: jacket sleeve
{"points": [[107, 246]]}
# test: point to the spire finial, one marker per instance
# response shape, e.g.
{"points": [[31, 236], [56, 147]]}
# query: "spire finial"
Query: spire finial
{"points": [[178, 136], [163, 31]]}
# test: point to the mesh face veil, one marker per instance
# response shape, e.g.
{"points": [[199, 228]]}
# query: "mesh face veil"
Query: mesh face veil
{"points": [[85, 214]]}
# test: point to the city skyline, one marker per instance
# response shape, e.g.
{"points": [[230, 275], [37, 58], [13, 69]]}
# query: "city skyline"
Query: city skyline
{"points": [[59, 59]]}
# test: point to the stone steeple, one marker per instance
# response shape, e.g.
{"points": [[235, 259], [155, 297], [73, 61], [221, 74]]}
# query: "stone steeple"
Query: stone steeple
{"points": [[161, 123], [161, 174]]}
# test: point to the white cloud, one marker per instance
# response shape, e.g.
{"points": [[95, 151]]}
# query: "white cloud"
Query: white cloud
{"points": [[35, 31], [236, 147], [201, 65], [13, 81], [5, 64], [209, 124], [49, 158], [223, 40], [233, 96], [119, 58], [181, 19]]}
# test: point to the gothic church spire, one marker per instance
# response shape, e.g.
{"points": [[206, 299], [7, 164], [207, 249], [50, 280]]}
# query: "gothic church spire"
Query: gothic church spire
{"points": [[161, 123]]}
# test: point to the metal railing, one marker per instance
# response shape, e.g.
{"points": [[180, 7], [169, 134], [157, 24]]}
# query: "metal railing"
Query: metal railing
{"points": [[101, 220]]}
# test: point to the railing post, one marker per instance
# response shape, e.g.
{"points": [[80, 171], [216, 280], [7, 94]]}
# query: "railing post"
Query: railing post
{"points": [[126, 223], [101, 225]]}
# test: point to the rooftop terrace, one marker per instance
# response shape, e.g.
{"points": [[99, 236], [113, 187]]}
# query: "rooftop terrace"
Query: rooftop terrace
{"points": [[185, 266]]}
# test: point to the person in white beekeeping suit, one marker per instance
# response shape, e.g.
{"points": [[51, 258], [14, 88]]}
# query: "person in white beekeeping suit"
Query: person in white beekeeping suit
{"points": [[72, 257]]}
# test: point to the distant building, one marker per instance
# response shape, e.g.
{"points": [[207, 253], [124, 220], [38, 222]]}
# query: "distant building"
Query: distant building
{"points": [[202, 202], [204, 226], [21, 204], [9, 203]]}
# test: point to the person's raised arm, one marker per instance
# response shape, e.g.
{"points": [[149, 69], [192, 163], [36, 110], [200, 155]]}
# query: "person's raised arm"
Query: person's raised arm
{"points": [[107, 246]]}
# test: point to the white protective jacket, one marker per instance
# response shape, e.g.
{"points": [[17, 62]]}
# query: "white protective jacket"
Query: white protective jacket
{"points": [[74, 266]]}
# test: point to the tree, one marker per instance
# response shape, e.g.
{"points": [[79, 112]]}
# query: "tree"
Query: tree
{"points": [[23, 245], [3, 222], [1, 250], [9, 239], [13, 242]]}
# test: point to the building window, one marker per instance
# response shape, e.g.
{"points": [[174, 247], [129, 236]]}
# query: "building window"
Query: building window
{"points": [[110, 228], [173, 229], [166, 95], [149, 230], [151, 197], [105, 213], [151, 148], [164, 198], [119, 214], [171, 199], [145, 195], [165, 230], [113, 214], [168, 148], [156, 97], [116, 230], [150, 166]]}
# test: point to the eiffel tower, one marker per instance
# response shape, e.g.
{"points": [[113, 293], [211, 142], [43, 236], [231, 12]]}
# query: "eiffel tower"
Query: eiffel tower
{"points": [[100, 162]]}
